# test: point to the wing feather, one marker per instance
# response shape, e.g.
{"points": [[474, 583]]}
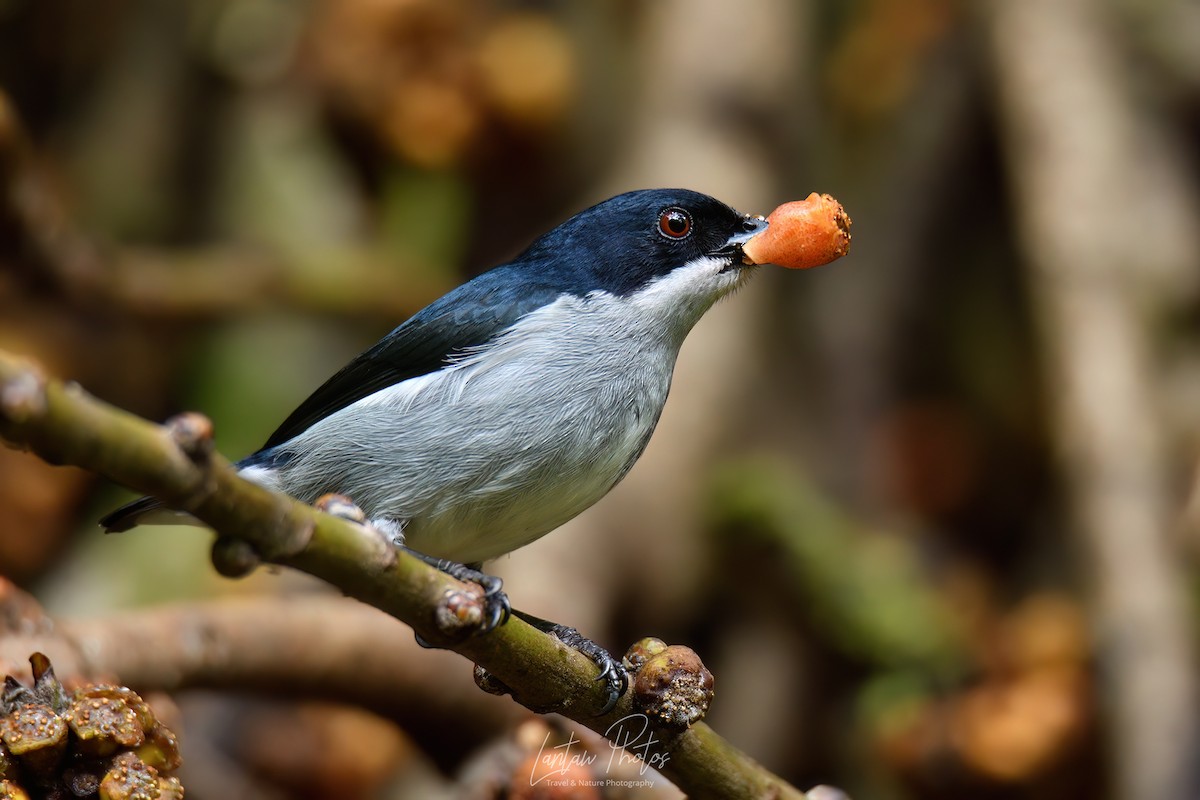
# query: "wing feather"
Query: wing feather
{"points": [[468, 316]]}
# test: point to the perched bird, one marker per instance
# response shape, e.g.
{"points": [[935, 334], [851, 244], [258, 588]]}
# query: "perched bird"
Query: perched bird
{"points": [[519, 399]]}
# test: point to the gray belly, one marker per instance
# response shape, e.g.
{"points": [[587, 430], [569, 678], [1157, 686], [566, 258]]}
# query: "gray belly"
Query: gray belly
{"points": [[477, 461]]}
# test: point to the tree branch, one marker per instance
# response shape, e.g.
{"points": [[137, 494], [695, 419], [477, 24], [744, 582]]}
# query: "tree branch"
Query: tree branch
{"points": [[310, 645], [63, 424]]}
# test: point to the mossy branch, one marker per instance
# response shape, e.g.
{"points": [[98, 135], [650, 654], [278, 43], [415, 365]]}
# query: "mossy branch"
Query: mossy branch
{"points": [[64, 425]]}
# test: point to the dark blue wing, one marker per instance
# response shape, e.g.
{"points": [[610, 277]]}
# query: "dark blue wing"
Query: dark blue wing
{"points": [[466, 317], [470, 315]]}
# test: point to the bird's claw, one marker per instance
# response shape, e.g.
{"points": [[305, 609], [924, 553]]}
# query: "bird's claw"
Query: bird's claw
{"points": [[612, 673], [496, 608], [615, 677]]}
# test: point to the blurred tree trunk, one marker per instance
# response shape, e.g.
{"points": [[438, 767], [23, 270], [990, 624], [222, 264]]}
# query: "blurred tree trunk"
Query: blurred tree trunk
{"points": [[1091, 233]]}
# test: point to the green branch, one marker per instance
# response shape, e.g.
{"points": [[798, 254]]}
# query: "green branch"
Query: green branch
{"points": [[64, 425]]}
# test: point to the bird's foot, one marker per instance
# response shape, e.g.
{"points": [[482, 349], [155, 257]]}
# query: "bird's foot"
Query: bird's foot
{"points": [[496, 608], [616, 679]]}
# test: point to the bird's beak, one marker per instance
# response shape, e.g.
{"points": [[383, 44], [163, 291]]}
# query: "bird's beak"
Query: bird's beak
{"points": [[752, 225]]}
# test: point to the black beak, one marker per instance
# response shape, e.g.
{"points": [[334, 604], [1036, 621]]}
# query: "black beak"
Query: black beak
{"points": [[751, 226]]}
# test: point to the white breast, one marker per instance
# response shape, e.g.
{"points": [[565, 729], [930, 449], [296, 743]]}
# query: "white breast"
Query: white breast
{"points": [[512, 440]]}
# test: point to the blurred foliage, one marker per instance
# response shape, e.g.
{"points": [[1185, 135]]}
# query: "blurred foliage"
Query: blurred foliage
{"points": [[865, 591], [213, 204]]}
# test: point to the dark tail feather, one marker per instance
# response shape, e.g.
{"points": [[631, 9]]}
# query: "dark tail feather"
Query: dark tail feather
{"points": [[129, 515]]}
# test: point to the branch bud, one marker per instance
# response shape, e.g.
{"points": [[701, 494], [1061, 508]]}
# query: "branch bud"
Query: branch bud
{"points": [[672, 685]]}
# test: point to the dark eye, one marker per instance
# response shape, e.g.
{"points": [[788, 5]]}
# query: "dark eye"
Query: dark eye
{"points": [[674, 223]]}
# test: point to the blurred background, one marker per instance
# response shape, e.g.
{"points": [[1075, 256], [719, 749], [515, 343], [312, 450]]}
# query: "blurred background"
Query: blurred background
{"points": [[928, 513]]}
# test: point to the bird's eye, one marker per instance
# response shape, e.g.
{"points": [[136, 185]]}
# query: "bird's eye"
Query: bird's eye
{"points": [[675, 223]]}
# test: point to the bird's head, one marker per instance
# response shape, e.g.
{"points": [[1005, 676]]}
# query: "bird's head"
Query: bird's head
{"points": [[673, 245]]}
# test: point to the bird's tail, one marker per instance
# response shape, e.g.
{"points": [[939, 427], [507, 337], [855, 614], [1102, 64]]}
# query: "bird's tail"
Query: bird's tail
{"points": [[140, 512]]}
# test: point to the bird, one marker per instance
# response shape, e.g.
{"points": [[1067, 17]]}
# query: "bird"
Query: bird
{"points": [[517, 400]]}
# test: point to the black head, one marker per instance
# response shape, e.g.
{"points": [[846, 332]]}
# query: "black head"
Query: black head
{"points": [[628, 241]]}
